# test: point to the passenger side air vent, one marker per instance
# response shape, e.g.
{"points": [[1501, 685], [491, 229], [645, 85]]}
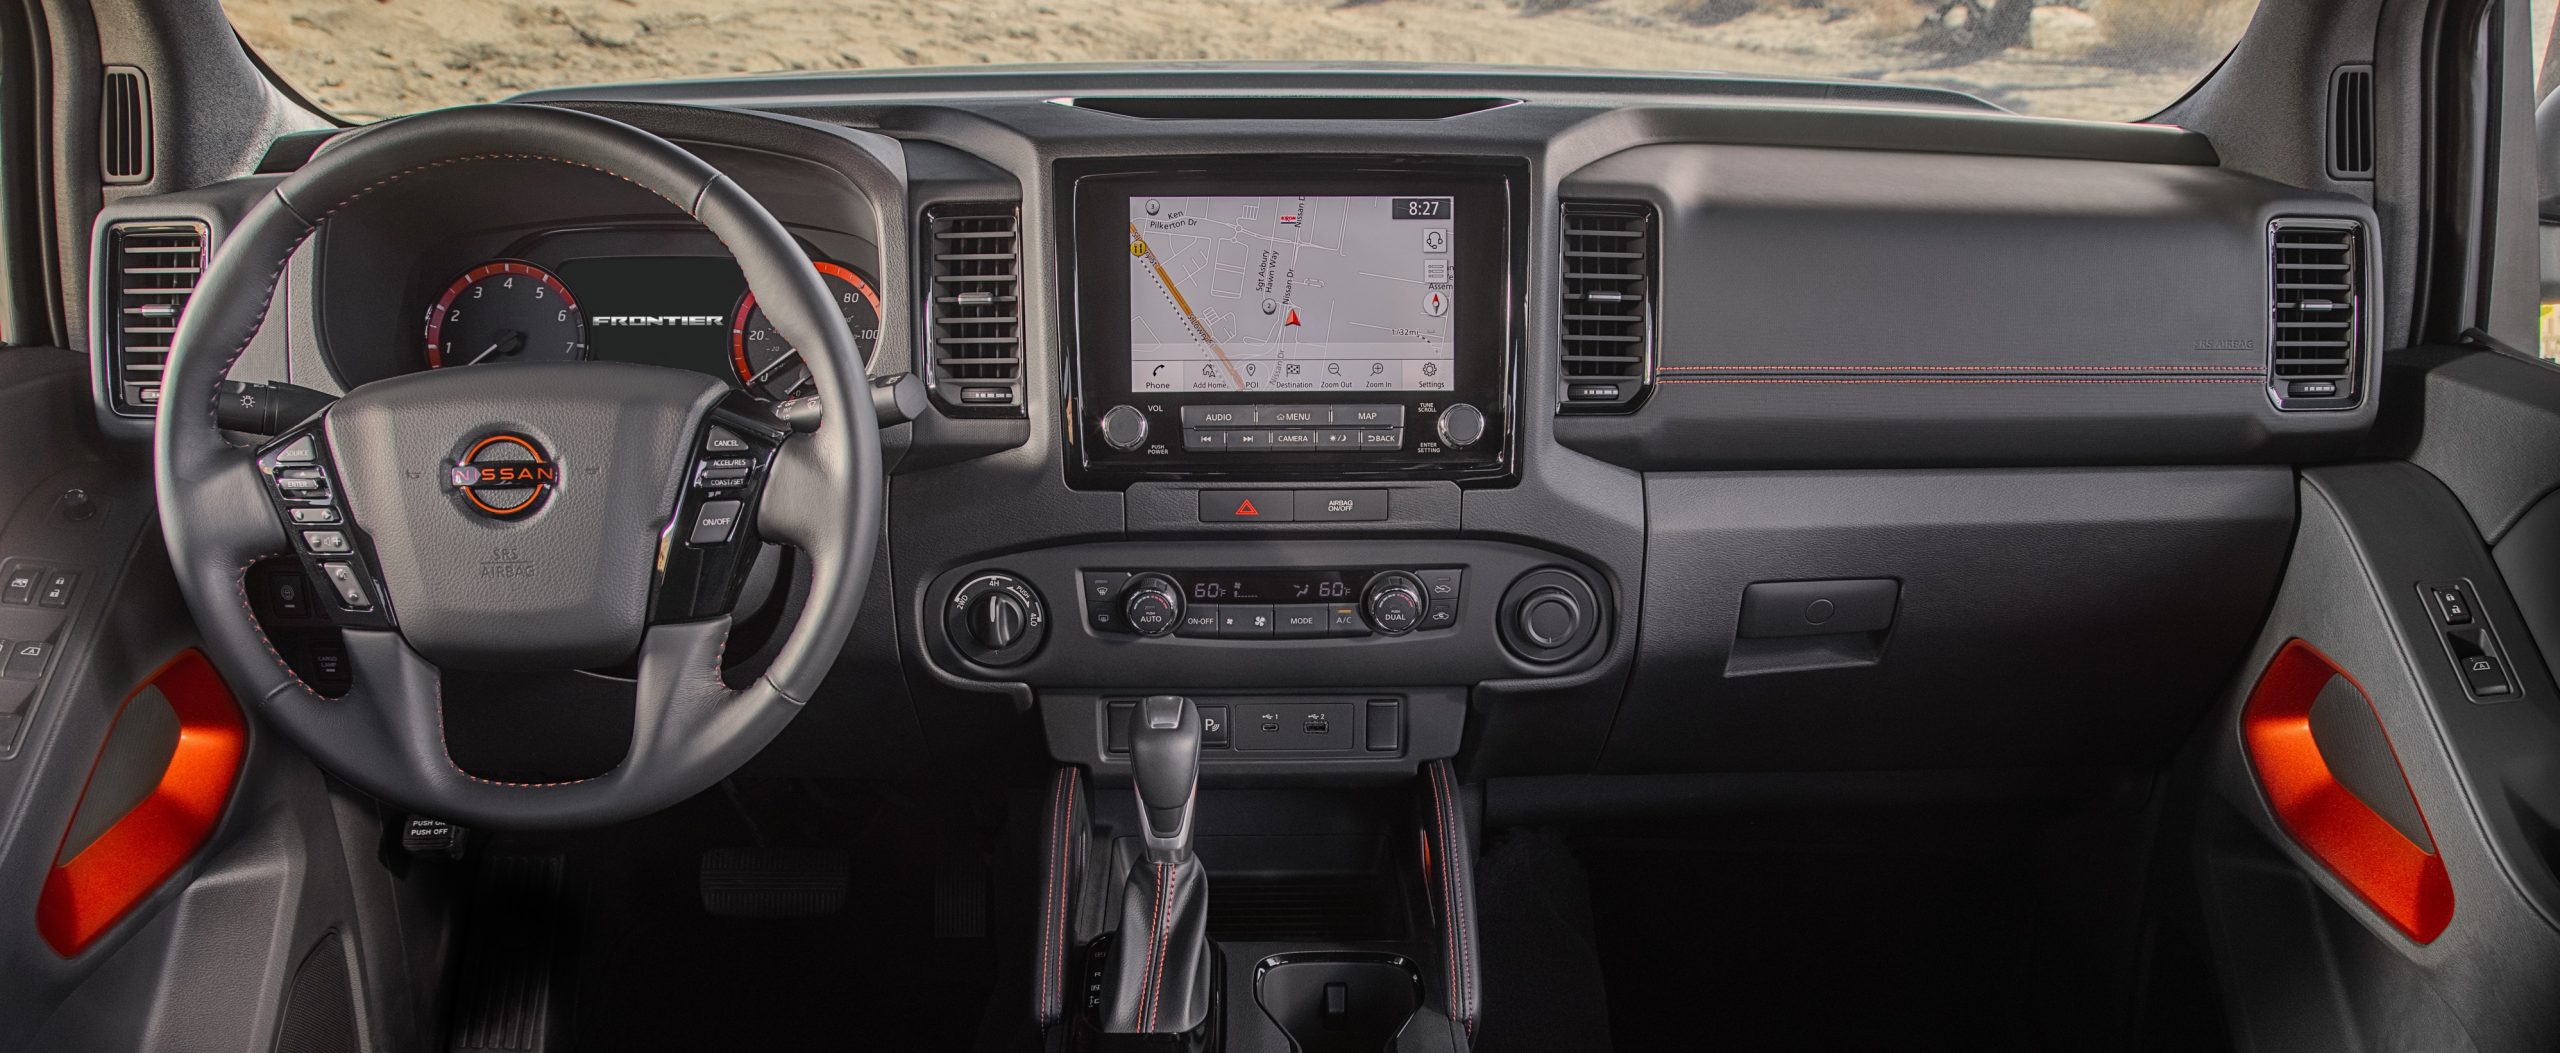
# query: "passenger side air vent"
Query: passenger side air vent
{"points": [[150, 272], [1607, 342], [2351, 123], [2315, 341], [124, 127], [973, 309]]}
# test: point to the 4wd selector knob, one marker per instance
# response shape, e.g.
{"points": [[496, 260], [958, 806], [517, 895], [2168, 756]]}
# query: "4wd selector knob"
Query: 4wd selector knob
{"points": [[1153, 605], [1393, 603]]}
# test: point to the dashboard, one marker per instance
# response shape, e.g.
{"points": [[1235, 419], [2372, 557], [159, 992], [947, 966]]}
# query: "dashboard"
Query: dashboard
{"points": [[1463, 412]]}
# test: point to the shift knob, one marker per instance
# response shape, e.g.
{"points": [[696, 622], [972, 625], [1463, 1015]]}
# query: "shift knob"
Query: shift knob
{"points": [[1164, 761]]}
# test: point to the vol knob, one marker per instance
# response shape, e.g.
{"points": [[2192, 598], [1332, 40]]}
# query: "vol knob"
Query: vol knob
{"points": [[1152, 605], [1124, 427]]}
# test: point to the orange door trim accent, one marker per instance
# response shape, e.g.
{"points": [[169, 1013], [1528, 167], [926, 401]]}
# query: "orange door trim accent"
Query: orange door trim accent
{"points": [[2403, 882], [89, 893]]}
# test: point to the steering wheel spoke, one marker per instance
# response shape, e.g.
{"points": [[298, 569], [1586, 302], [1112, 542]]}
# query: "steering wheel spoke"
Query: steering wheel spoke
{"points": [[710, 542]]}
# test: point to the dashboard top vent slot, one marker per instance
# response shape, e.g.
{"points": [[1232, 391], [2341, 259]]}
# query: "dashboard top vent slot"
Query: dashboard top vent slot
{"points": [[2351, 123], [1286, 107], [2316, 335], [150, 274], [124, 126], [973, 309], [1607, 338]]}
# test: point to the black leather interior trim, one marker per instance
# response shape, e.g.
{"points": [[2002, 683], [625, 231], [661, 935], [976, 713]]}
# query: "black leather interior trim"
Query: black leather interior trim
{"points": [[1453, 864], [1065, 837]]}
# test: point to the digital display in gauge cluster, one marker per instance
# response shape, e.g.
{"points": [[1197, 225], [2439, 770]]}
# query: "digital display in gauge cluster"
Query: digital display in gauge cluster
{"points": [[682, 312]]}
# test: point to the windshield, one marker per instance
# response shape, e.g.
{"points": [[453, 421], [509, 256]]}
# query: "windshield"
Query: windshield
{"points": [[2100, 59]]}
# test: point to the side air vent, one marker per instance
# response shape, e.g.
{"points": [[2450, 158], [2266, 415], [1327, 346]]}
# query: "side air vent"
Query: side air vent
{"points": [[2351, 123], [1607, 344], [124, 126], [150, 272], [2315, 339], [973, 308]]}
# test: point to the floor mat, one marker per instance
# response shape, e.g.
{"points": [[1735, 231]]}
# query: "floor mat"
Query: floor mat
{"points": [[654, 970]]}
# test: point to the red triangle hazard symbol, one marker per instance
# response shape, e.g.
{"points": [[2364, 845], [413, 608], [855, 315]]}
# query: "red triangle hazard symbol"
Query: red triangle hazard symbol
{"points": [[1246, 508]]}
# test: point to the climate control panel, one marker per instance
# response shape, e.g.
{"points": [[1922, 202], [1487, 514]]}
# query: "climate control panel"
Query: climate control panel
{"points": [[1272, 604]]}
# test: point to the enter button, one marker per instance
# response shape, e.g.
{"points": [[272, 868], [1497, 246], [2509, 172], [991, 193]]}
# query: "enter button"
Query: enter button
{"points": [[1342, 506]]}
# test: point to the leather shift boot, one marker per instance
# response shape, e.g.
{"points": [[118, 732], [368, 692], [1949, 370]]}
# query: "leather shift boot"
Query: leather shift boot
{"points": [[1160, 967]]}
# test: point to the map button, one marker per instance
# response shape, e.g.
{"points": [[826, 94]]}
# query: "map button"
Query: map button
{"points": [[1370, 416]]}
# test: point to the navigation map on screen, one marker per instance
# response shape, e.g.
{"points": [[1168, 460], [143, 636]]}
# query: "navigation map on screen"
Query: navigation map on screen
{"points": [[1290, 294]]}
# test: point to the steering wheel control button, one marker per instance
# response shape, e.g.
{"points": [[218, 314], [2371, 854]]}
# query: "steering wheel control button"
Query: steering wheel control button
{"points": [[722, 440], [349, 587], [1248, 506], [325, 542], [1341, 506], [716, 523], [504, 475], [1394, 603], [1461, 425], [1124, 427], [1153, 605], [304, 484], [992, 631], [302, 450], [306, 516]]}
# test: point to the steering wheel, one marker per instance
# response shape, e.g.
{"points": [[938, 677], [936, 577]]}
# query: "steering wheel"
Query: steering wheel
{"points": [[519, 517]]}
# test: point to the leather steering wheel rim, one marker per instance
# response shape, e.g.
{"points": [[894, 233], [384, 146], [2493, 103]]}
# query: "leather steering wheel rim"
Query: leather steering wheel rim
{"points": [[385, 735]]}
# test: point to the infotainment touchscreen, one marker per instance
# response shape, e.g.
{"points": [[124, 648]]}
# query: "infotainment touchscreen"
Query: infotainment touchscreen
{"points": [[1292, 294]]}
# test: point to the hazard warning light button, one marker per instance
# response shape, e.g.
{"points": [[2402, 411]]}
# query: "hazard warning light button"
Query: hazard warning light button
{"points": [[1247, 506]]}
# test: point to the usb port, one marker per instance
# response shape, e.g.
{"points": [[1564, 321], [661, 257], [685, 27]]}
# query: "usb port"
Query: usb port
{"points": [[1270, 726], [1317, 727]]}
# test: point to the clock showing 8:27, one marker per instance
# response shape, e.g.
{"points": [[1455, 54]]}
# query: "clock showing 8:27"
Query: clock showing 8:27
{"points": [[1418, 208]]}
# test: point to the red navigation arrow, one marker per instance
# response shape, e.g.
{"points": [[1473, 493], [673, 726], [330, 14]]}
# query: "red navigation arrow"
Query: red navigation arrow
{"points": [[1293, 317]]}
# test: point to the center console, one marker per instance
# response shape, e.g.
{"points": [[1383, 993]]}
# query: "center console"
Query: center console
{"points": [[1290, 321]]}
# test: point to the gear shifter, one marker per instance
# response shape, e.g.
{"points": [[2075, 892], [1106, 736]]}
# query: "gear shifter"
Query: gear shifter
{"points": [[1160, 973], [1164, 759]]}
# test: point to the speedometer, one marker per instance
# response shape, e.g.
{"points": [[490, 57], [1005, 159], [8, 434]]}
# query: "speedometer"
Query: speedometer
{"points": [[505, 311], [769, 366]]}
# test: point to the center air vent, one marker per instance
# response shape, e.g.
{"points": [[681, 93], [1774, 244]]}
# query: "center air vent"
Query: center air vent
{"points": [[2315, 340], [973, 309], [1607, 340], [150, 273]]}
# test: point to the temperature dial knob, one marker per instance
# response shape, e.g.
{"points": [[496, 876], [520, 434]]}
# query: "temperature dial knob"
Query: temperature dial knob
{"points": [[1393, 603], [1153, 605]]}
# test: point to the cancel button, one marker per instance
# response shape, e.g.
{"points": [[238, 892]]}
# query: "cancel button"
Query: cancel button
{"points": [[1342, 506]]}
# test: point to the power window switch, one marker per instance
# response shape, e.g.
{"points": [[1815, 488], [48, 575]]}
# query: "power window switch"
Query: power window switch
{"points": [[26, 660], [14, 696], [19, 589], [2486, 675], [2453, 606]]}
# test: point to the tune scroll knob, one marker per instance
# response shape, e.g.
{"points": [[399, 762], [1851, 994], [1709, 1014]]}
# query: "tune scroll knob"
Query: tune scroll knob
{"points": [[1153, 605], [1393, 602], [1124, 427], [1461, 425]]}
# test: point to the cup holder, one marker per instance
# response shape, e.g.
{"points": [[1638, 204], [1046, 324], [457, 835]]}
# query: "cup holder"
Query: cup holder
{"points": [[1338, 1001]]}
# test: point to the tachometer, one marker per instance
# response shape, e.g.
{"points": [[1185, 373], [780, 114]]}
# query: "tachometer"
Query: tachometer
{"points": [[770, 366], [505, 311]]}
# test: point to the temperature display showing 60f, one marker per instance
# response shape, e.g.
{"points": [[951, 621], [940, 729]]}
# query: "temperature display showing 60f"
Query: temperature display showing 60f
{"points": [[1277, 586]]}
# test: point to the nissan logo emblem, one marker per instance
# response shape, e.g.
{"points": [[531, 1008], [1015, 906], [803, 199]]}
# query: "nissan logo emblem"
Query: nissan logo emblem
{"points": [[504, 475]]}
